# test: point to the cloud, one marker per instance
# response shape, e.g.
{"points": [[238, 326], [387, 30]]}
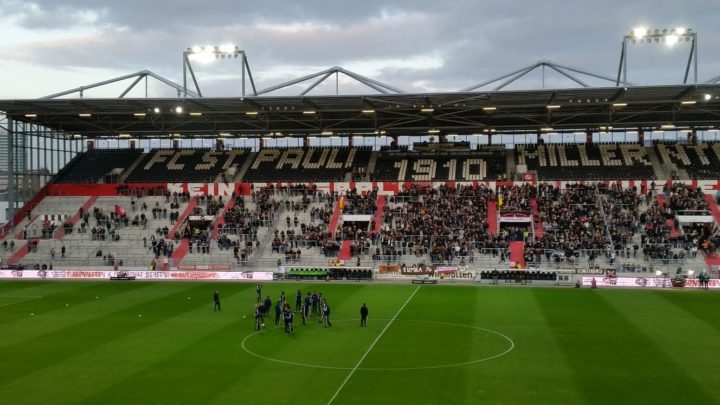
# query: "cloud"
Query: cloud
{"points": [[417, 46]]}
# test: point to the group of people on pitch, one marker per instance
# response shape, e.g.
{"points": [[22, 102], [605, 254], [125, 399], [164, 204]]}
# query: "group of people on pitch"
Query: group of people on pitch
{"points": [[312, 304]]}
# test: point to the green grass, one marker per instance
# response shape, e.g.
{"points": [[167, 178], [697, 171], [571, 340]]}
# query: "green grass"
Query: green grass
{"points": [[568, 345]]}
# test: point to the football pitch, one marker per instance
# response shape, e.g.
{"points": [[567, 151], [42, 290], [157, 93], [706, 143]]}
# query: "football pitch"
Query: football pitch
{"points": [[155, 343]]}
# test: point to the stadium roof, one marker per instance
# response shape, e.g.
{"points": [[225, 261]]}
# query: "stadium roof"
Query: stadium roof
{"points": [[647, 107]]}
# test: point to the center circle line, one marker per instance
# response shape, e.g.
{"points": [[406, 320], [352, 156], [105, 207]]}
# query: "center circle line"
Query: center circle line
{"points": [[243, 345]]}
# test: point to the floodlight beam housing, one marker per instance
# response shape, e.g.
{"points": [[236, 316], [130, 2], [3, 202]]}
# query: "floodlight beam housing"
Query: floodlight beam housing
{"points": [[666, 36]]}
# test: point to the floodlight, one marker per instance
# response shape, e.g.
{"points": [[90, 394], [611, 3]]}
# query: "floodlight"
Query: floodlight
{"points": [[707, 97], [368, 111], [85, 115], [691, 272], [489, 109], [688, 102], [619, 105], [639, 32], [251, 113], [228, 48], [196, 114], [140, 114], [30, 115], [667, 126], [179, 109], [326, 133], [679, 31], [658, 273], [309, 112], [205, 56], [671, 39], [123, 135], [433, 131], [156, 110], [427, 110], [196, 49], [552, 107], [546, 129]]}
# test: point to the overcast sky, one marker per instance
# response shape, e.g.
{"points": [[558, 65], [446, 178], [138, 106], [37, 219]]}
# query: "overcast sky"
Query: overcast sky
{"points": [[417, 46]]}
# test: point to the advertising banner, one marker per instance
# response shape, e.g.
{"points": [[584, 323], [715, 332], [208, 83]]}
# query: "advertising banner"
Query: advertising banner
{"points": [[644, 282], [139, 275]]}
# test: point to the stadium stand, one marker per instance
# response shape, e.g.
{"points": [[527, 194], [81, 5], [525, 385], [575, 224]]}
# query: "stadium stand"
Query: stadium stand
{"points": [[465, 218], [94, 165], [308, 164], [586, 161], [188, 165], [487, 164], [701, 161]]}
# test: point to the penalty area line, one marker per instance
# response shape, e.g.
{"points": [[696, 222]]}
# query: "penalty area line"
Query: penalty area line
{"points": [[382, 332]]}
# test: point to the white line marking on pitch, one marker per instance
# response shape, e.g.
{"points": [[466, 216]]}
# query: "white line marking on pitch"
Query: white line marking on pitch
{"points": [[27, 298], [371, 347]]}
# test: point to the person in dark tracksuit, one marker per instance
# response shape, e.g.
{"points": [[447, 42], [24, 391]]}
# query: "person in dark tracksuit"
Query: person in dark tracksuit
{"points": [[298, 300], [326, 314], [363, 315], [315, 302], [258, 290], [321, 310], [308, 304], [278, 313], [216, 300], [266, 307], [305, 311], [288, 320], [258, 316]]}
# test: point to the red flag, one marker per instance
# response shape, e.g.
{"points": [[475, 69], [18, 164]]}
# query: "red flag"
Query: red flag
{"points": [[120, 211]]}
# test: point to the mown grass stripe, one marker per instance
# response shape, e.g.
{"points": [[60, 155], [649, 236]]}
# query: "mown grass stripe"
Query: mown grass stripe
{"points": [[114, 362], [610, 354], [25, 357]]}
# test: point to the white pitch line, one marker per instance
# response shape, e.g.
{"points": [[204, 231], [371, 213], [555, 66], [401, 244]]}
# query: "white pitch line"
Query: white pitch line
{"points": [[354, 369], [17, 302]]}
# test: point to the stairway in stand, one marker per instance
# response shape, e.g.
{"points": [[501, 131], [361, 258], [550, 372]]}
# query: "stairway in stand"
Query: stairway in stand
{"points": [[713, 208], [517, 253], [18, 255], [180, 251], [345, 253], [220, 220], [60, 231], [381, 200], [492, 217], [335, 219], [713, 259], [183, 217], [537, 223], [674, 232]]}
